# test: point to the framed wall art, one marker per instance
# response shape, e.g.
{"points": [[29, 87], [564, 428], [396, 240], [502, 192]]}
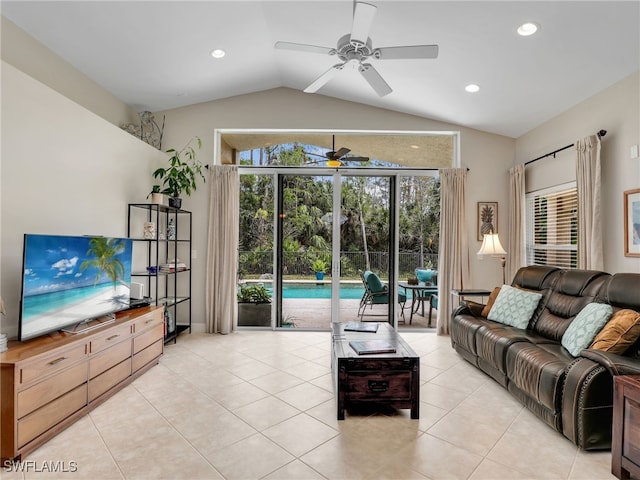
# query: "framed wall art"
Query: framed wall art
{"points": [[632, 223], [487, 218]]}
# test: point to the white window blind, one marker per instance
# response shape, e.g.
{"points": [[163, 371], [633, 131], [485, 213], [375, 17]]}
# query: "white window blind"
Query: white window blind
{"points": [[552, 226]]}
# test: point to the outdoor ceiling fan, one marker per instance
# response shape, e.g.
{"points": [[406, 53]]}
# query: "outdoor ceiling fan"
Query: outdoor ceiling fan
{"points": [[355, 48], [337, 158]]}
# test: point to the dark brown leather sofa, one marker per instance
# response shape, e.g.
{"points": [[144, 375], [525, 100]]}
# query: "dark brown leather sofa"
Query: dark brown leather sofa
{"points": [[573, 395]]}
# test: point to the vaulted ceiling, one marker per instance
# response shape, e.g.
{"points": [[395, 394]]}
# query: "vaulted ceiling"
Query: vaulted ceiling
{"points": [[155, 55]]}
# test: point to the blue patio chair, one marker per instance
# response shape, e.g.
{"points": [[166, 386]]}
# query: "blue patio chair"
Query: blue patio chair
{"points": [[428, 278], [376, 293]]}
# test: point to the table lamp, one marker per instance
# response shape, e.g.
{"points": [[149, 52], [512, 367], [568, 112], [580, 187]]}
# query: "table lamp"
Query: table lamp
{"points": [[491, 246]]}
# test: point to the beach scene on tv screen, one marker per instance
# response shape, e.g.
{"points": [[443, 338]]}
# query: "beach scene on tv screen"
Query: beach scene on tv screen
{"points": [[70, 279]]}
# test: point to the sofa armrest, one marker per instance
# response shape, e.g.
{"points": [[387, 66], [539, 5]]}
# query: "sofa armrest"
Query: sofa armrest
{"points": [[587, 399], [615, 364]]}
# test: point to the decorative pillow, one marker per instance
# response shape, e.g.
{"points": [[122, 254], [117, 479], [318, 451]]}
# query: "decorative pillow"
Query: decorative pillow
{"points": [[619, 333], [589, 321], [425, 276], [514, 307], [490, 301]]}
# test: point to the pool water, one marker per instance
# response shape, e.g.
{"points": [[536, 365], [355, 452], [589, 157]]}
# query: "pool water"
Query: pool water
{"points": [[323, 290]]}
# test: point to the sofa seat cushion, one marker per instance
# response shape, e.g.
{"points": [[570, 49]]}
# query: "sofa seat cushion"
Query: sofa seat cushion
{"points": [[539, 371]]}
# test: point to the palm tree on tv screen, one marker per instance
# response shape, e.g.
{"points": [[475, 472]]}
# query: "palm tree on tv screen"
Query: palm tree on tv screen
{"points": [[105, 252]]}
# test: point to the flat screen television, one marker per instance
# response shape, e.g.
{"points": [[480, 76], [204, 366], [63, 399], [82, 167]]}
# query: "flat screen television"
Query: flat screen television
{"points": [[67, 280]]}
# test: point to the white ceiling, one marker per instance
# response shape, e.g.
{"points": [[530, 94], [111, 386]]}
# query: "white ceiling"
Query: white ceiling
{"points": [[154, 55]]}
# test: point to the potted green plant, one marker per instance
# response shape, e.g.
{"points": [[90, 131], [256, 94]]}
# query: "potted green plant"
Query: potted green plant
{"points": [[182, 173], [254, 306], [319, 267]]}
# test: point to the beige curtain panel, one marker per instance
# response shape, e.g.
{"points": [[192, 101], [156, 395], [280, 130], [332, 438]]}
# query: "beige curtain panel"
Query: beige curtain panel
{"points": [[453, 258], [590, 250], [516, 257], [222, 250]]}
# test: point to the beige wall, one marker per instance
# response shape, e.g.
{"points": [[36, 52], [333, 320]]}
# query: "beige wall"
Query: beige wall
{"points": [[64, 170], [617, 110], [31, 57]]}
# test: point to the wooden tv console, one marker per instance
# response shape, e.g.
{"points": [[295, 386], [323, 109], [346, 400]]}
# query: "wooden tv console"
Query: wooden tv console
{"points": [[49, 382]]}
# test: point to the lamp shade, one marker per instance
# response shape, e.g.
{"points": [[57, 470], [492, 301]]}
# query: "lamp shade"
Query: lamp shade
{"points": [[491, 245]]}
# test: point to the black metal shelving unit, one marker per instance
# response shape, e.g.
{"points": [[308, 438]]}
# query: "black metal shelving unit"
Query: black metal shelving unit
{"points": [[172, 287]]}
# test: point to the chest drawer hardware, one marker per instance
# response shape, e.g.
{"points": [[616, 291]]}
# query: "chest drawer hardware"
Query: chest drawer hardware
{"points": [[378, 386], [57, 360]]}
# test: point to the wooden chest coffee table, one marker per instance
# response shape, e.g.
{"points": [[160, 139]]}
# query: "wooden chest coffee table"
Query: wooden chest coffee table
{"points": [[384, 378]]}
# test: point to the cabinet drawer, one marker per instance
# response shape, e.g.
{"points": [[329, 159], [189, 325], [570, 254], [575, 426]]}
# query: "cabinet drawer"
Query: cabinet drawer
{"points": [[107, 359], [149, 320], [378, 385], [110, 338], [52, 363], [147, 355], [34, 397], [46, 417], [145, 339], [106, 380]]}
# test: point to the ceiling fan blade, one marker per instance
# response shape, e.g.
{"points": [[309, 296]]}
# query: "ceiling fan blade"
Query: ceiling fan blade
{"points": [[363, 15], [315, 155], [301, 47], [372, 76], [341, 152], [406, 52], [324, 78], [355, 159]]}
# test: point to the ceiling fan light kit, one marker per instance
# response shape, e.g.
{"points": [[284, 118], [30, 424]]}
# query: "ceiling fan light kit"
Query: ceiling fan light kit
{"points": [[356, 47]]}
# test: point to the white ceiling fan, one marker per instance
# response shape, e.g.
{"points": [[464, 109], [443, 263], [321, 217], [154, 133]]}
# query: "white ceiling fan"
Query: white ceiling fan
{"points": [[356, 47]]}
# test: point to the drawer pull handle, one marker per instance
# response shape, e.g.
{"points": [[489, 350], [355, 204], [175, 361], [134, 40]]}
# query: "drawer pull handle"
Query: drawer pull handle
{"points": [[57, 360], [378, 386], [112, 337], [150, 320]]}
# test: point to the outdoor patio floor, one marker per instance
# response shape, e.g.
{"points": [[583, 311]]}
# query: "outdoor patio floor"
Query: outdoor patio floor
{"points": [[310, 313]]}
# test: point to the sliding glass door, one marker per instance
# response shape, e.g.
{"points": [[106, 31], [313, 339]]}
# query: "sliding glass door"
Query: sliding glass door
{"points": [[332, 231]]}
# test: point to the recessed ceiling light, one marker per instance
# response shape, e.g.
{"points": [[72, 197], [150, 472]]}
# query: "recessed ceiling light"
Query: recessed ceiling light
{"points": [[472, 88], [526, 29], [415, 146], [218, 53]]}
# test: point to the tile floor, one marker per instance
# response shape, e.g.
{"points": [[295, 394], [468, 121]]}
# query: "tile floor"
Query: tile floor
{"points": [[260, 405]]}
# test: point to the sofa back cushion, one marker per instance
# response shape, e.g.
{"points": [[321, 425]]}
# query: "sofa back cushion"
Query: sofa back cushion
{"points": [[571, 292]]}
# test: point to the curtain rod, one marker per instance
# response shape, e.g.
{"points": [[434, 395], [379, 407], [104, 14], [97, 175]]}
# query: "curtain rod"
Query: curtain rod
{"points": [[600, 134]]}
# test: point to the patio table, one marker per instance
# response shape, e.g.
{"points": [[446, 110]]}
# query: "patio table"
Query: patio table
{"points": [[419, 293]]}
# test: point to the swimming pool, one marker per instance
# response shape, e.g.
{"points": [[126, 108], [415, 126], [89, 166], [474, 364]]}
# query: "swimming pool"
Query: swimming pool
{"points": [[348, 291]]}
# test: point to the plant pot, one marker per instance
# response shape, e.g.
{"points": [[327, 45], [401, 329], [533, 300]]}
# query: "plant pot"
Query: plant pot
{"points": [[157, 198], [175, 202], [254, 314], [319, 275]]}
